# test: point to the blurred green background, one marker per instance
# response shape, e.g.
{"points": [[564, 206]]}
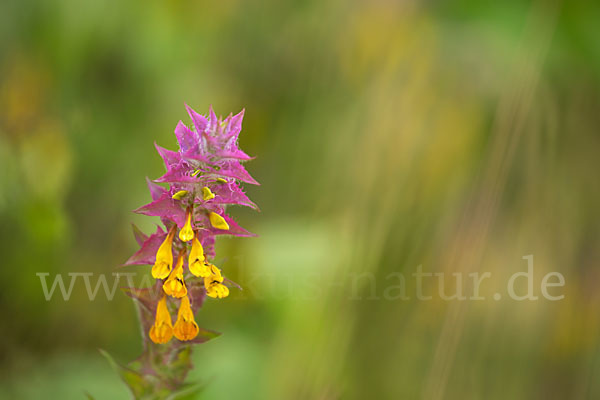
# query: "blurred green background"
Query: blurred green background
{"points": [[460, 136]]}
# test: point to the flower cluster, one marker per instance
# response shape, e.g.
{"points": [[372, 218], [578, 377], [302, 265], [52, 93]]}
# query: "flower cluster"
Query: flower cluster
{"points": [[204, 177]]}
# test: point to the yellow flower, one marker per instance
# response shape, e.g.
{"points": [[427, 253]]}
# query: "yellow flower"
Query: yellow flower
{"points": [[207, 194], [217, 221], [179, 195], [175, 286], [186, 233], [164, 257], [196, 260], [185, 326], [213, 284], [162, 330]]}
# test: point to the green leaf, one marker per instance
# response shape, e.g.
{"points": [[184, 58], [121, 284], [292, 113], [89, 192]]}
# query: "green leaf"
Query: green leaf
{"points": [[204, 335], [180, 364], [139, 386], [189, 391]]}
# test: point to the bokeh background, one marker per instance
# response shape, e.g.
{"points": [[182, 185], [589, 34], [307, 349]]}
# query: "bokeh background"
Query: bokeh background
{"points": [[460, 136]]}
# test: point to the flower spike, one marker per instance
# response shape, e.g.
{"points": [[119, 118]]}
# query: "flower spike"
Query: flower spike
{"points": [[203, 177]]}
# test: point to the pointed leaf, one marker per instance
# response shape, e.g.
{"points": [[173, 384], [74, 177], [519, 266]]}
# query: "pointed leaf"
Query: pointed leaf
{"points": [[135, 381], [189, 391], [140, 237]]}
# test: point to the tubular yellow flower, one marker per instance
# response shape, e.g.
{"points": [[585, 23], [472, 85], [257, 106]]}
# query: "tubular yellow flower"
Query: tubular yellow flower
{"points": [[207, 194], [213, 284], [217, 221], [185, 326], [186, 233], [196, 260], [174, 286], [179, 195], [164, 257], [162, 330]]}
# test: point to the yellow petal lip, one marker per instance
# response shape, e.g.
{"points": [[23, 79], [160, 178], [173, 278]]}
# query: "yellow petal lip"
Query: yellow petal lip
{"points": [[179, 195], [201, 270], [161, 334], [215, 273], [207, 194], [185, 330], [218, 222], [187, 233], [161, 270], [217, 290], [214, 284], [174, 286]]}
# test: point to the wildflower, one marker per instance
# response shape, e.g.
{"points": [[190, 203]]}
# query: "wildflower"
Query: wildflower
{"points": [[204, 177], [186, 233], [162, 330], [164, 257], [217, 221], [185, 326], [174, 286], [214, 284]]}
